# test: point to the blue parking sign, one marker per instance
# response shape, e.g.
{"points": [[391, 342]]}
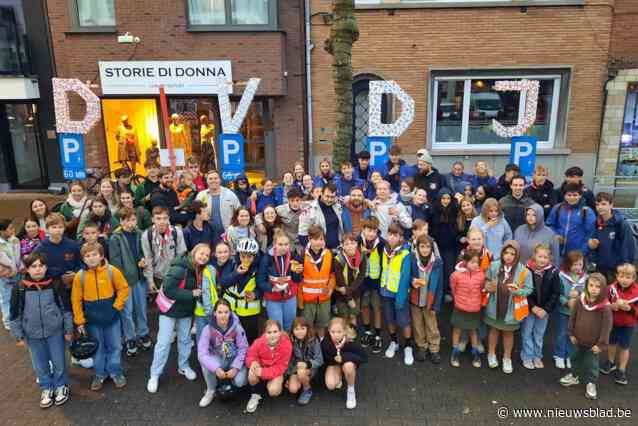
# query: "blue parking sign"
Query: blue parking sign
{"points": [[231, 155], [523, 153], [379, 148], [72, 155]]}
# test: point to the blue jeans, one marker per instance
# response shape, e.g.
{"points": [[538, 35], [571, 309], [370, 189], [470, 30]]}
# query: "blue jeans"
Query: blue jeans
{"points": [[163, 345], [6, 286], [211, 378], [134, 322], [563, 347], [200, 323], [283, 312], [532, 334], [108, 359], [46, 353]]}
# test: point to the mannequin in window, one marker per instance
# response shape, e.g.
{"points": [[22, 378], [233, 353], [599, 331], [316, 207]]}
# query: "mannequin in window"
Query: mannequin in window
{"points": [[180, 135], [153, 154], [208, 157], [127, 145]]}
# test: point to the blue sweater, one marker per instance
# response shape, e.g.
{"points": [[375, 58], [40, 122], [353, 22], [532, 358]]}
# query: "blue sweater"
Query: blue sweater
{"points": [[617, 245], [62, 257], [574, 223], [193, 236]]}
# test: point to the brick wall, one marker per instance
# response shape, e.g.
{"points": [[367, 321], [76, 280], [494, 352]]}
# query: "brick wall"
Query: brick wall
{"points": [[161, 25], [624, 37], [405, 44]]}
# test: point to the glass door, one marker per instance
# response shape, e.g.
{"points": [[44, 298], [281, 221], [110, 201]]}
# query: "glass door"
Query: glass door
{"points": [[21, 146]]}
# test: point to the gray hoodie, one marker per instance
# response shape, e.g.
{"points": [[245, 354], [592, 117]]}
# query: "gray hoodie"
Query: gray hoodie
{"points": [[530, 236]]}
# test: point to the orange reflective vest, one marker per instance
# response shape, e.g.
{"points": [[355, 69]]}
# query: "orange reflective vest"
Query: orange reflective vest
{"points": [[317, 284]]}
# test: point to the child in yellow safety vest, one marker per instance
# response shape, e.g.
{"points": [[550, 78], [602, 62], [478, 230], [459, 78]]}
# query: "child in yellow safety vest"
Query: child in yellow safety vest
{"points": [[371, 244], [350, 271], [318, 282], [394, 290], [507, 286], [240, 287]]}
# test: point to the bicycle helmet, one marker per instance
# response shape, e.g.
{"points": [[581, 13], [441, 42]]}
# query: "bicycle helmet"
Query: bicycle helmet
{"points": [[226, 390], [248, 245], [84, 347]]}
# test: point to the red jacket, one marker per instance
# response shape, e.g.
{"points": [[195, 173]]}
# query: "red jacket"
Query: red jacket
{"points": [[624, 318], [273, 361], [467, 288]]}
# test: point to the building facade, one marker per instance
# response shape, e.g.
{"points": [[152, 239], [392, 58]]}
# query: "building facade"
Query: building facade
{"points": [[251, 39], [28, 151], [447, 57]]}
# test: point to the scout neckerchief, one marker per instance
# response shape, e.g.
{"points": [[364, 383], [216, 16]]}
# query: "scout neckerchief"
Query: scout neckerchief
{"points": [[282, 264], [595, 307]]}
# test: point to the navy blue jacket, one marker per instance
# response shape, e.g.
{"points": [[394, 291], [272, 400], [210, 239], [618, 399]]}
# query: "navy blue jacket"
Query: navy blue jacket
{"points": [[193, 236], [61, 258], [395, 180], [344, 186], [617, 244]]}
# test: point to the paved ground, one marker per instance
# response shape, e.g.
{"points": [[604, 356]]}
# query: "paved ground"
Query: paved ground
{"points": [[388, 394]]}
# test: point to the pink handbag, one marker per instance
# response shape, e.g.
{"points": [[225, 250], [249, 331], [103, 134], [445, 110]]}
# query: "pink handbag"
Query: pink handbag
{"points": [[165, 303]]}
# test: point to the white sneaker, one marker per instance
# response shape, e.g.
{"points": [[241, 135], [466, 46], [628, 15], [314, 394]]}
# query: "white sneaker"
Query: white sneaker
{"points": [[507, 366], [462, 345], [408, 356], [569, 380], [84, 363], [568, 363], [538, 363], [153, 384], [492, 362], [351, 399], [253, 403], [46, 398], [590, 391], [527, 363], [392, 350], [207, 398], [188, 373], [559, 362], [61, 394]]}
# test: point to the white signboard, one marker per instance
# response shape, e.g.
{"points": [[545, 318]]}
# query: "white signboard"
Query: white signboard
{"points": [[177, 77], [165, 159]]}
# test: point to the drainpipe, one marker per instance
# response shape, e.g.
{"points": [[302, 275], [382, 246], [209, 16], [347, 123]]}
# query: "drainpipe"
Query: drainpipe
{"points": [[309, 47], [611, 75]]}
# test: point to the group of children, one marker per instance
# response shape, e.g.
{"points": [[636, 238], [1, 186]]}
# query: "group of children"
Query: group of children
{"points": [[318, 307]]}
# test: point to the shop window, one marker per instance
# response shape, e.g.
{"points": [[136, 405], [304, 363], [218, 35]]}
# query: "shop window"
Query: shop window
{"points": [[628, 153], [465, 106], [92, 15], [132, 132], [254, 131], [196, 129], [210, 15]]}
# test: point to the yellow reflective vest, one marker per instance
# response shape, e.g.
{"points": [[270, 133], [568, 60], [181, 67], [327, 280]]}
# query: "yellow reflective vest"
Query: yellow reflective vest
{"points": [[238, 302], [209, 279], [391, 276]]}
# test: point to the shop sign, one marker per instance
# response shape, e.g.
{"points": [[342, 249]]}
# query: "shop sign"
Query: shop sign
{"points": [[177, 77], [231, 152], [379, 148], [523, 153], [72, 155]]}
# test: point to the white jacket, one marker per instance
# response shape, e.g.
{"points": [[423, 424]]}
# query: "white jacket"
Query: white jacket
{"points": [[228, 203], [312, 215], [381, 212]]}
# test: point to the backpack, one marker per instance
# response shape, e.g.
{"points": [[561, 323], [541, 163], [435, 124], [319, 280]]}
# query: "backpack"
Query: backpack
{"points": [[149, 236]]}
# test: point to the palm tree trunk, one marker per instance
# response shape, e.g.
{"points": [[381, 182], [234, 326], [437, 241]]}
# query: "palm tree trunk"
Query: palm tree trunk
{"points": [[343, 34]]}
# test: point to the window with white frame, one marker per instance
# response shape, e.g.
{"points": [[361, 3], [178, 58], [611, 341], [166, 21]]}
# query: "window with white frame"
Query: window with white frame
{"points": [[229, 14], [463, 108], [93, 13], [461, 3]]}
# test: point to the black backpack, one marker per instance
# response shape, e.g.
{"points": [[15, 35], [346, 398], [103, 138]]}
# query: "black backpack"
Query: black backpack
{"points": [[149, 235]]}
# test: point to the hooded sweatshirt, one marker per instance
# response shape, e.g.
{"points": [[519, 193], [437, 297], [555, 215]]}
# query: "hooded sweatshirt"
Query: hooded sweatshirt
{"points": [[274, 361], [574, 223], [217, 345], [591, 320], [529, 236], [443, 221]]}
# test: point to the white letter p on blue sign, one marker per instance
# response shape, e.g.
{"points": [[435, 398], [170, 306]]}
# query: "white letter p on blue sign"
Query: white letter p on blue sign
{"points": [[523, 153], [379, 147]]}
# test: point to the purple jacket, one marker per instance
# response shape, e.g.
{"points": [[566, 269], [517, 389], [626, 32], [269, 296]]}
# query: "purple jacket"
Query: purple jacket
{"points": [[210, 348]]}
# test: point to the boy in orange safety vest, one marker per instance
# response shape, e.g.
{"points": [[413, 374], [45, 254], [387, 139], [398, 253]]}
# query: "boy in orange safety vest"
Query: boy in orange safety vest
{"points": [[318, 281]]}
